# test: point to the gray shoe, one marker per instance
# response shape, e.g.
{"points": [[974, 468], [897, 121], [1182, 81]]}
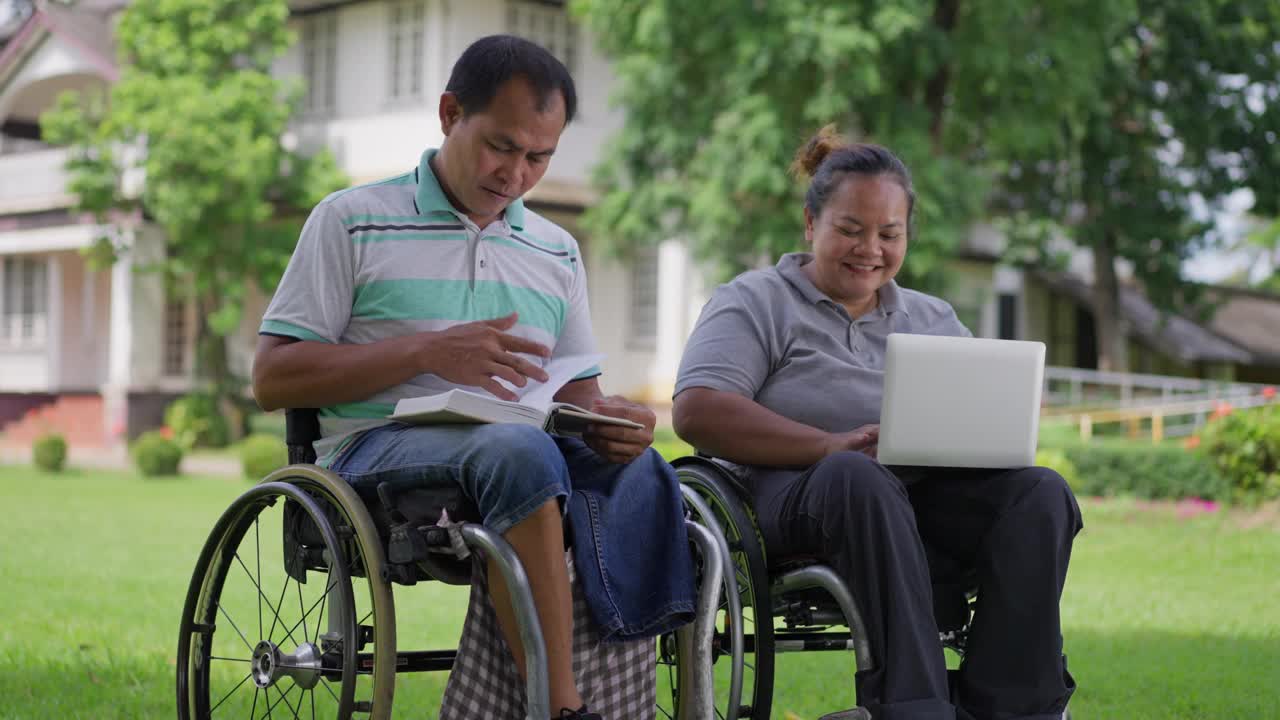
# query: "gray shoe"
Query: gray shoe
{"points": [[854, 714]]}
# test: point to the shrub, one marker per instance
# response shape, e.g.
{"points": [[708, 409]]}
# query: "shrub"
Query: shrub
{"points": [[197, 422], [1056, 459], [49, 452], [154, 454], [260, 454], [1244, 446], [1150, 472]]}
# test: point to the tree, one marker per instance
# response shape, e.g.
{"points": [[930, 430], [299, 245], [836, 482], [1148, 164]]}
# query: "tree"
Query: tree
{"points": [[1186, 114], [713, 117], [198, 115], [1101, 121]]}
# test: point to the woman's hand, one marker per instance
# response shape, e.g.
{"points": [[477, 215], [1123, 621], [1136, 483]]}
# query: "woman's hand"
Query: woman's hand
{"points": [[864, 440]]}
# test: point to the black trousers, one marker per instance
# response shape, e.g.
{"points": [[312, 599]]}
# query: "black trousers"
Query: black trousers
{"points": [[893, 537]]}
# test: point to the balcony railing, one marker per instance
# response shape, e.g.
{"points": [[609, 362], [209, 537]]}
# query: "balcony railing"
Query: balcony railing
{"points": [[32, 181]]}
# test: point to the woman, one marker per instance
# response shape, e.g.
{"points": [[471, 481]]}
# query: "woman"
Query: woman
{"points": [[783, 375]]}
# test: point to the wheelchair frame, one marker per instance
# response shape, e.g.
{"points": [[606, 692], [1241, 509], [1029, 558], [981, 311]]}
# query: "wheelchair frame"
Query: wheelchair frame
{"points": [[719, 501], [352, 545]]}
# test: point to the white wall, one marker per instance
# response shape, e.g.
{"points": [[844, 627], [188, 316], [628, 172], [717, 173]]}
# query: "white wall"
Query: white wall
{"points": [[375, 137], [24, 370], [85, 302]]}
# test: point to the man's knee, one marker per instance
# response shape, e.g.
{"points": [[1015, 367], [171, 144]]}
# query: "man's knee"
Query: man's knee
{"points": [[519, 449], [515, 470]]}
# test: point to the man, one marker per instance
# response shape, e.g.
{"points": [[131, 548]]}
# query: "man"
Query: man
{"points": [[441, 278]]}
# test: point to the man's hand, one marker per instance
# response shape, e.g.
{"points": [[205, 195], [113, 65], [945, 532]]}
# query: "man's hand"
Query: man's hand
{"points": [[864, 440], [613, 442], [475, 353]]}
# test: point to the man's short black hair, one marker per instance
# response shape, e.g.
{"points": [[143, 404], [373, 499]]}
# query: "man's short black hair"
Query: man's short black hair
{"points": [[491, 61]]}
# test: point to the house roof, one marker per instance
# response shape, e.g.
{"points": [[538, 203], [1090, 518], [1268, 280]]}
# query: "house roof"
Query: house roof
{"points": [[1249, 318], [87, 27], [1170, 333]]}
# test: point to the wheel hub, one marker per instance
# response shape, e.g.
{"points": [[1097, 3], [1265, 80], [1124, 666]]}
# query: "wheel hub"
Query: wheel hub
{"points": [[269, 665]]}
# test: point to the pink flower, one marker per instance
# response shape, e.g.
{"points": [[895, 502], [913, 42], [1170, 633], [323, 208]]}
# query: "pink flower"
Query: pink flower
{"points": [[1269, 392], [166, 432], [1192, 442]]}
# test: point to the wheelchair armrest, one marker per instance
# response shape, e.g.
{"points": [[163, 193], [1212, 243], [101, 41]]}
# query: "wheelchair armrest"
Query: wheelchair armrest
{"points": [[301, 430]]}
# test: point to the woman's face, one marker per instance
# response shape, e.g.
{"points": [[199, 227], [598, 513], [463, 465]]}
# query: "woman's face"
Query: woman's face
{"points": [[859, 239]]}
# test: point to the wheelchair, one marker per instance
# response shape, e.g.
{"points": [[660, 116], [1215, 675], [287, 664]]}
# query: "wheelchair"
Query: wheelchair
{"points": [[290, 610], [806, 598]]}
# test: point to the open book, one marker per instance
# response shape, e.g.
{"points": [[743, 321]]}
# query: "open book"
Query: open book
{"points": [[535, 407]]}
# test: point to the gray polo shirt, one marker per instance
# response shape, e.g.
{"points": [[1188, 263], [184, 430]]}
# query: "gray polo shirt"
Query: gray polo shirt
{"points": [[772, 336]]}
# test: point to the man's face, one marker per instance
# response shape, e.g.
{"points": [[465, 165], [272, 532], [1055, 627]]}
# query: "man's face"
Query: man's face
{"points": [[491, 158]]}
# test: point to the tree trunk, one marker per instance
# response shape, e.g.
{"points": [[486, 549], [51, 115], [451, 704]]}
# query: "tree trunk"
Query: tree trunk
{"points": [[1109, 324], [215, 366], [945, 13]]}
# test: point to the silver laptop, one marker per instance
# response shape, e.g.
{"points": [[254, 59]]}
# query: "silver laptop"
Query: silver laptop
{"points": [[960, 402]]}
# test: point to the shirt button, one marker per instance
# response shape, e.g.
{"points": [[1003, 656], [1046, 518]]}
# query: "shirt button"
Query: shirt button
{"points": [[481, 262]]}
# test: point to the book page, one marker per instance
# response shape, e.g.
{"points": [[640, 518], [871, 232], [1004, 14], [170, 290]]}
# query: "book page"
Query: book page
{"points": [[560, 372]]}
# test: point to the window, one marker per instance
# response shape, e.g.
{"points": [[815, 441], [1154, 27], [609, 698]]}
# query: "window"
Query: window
{"points": [[177, 331], [407, 47], [644, 299], [23, 300], [320, 61], [547, 25]]}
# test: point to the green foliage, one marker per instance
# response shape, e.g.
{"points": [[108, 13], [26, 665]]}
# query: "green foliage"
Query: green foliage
{"points": [[713, 118], [1056, 460], [49, 452], [261, 454], [197, 422], [1098, 121], [196, 112], [156, 455], [1150, 472], [1245, 447], [669, 445]]}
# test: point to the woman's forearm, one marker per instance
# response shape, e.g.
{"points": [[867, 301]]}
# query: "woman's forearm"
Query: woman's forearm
{"points": [[729, 426]]}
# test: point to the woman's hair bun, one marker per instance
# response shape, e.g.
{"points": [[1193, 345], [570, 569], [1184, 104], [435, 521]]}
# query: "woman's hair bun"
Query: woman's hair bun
{"points": [[816, 149]]}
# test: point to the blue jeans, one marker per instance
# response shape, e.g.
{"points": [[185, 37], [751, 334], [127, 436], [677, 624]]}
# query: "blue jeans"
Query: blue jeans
{"points": [[626, 522]]}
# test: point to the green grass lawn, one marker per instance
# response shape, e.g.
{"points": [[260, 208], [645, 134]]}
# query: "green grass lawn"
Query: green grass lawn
{"points": [[1165, 617]]}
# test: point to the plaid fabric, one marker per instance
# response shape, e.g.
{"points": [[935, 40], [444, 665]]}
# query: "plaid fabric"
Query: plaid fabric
{"points": [[618, 680]]}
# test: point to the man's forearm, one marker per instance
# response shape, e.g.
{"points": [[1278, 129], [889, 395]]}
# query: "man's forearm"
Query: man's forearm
{"points": [[317, 374]]}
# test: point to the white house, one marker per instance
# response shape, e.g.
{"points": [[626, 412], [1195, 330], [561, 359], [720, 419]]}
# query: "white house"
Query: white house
{"points": [[97, 354]]}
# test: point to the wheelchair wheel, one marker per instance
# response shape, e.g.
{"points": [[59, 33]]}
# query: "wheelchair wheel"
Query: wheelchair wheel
{"points": [[285, 600], [743, 649]]}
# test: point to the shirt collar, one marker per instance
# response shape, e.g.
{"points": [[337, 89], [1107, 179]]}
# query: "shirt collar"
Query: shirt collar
{"points": [[430, 197], [790, 267]]}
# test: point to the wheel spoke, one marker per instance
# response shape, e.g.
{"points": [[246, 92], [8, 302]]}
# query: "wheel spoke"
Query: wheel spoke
{"points": [[283, 695], [257, 545], [254, 709], [214, 657], [313, 703], [280, 604], [233, 691], [262, 595], [320, 602], [285, 700], [305, 633], [328, 585], [325, 684], [237, 629]]}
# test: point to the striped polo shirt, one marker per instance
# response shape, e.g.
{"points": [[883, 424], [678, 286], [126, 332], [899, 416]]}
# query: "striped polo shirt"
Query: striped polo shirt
{"points": [[394, 257]]}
